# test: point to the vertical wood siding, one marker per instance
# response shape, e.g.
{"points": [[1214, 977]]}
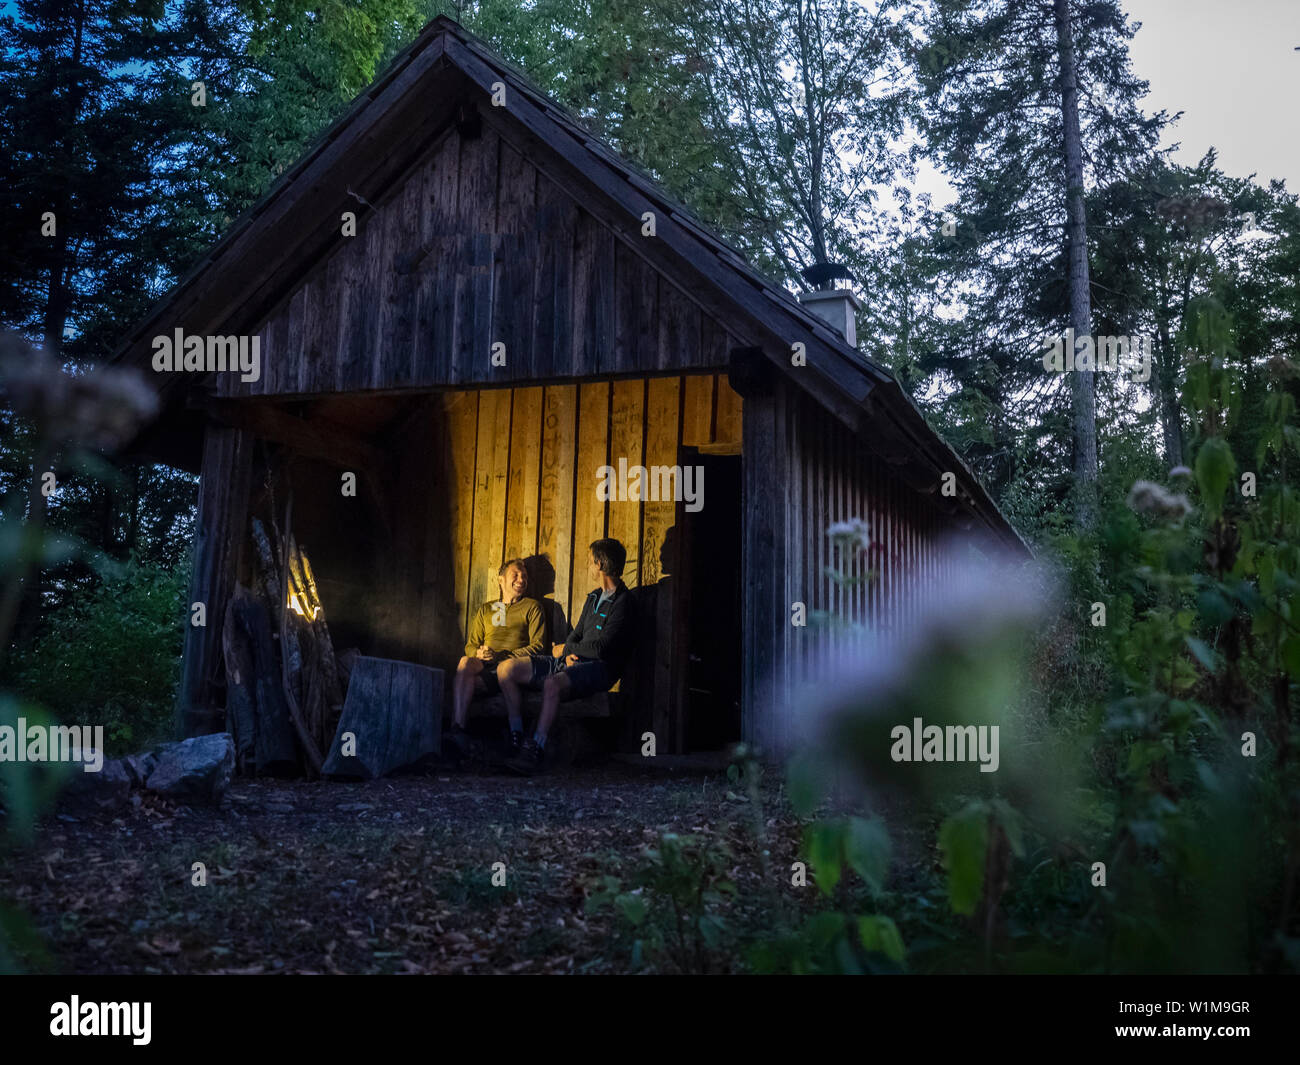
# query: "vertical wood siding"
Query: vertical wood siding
{"points": [[475, 246], [803, 472], [512, 472]]}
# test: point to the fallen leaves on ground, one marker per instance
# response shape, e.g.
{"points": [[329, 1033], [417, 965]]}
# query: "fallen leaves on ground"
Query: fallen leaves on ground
{"points": [[391, 876]]}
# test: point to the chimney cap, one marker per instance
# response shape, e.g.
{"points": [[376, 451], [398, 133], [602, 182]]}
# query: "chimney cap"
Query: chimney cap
{"points": [[823, 275]]}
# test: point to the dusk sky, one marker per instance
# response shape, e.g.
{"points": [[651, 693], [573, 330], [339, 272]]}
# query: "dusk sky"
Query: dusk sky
{"points": [[1232, 68]]}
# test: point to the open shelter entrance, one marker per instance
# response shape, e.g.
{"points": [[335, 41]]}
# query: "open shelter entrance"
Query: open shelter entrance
{"points": [[405, 506]]}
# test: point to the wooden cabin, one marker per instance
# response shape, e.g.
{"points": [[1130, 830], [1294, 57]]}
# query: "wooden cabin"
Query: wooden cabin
{"points": [[502, 324]]}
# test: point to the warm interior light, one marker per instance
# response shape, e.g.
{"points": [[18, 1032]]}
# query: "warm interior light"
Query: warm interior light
{"points": [[296, 607]]}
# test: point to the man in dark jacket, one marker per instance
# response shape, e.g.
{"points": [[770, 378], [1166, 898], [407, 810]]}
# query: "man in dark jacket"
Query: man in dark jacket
{"points": [[591, 660]]}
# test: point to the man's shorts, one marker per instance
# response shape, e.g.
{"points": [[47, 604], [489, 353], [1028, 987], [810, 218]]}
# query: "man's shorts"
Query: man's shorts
{"points": [[587, 677]]}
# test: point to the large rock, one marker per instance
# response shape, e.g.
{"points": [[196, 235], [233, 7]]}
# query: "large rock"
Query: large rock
{"points": [[195, 770], [139, 766], [86, 794]]}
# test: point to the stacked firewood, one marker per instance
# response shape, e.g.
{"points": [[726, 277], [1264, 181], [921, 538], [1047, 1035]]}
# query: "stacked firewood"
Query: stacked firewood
{"points": [[295, 694]]}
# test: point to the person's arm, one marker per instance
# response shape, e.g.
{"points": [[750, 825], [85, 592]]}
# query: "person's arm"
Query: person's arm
{"points": [[536, 632], [619, 625], [475, 639], [575, 634]]}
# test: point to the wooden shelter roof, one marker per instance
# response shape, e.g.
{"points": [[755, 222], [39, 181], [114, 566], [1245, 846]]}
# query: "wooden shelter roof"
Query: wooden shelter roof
{"points": [[272, 245]]}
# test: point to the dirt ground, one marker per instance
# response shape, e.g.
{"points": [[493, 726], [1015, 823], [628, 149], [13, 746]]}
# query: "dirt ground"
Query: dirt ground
{"points": [[386, 876]]}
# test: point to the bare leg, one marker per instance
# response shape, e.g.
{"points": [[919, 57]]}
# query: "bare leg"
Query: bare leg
{"points": [[511, 674], [462, 688], [553, 693]]}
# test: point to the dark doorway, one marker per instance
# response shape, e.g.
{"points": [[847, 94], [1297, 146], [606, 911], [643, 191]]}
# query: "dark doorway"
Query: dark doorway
{"points": [[713, 535]]}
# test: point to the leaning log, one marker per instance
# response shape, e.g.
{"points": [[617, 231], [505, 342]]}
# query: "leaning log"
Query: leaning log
{"points": [[290, 655], [255, 704], [241, 685], [391, 720]]}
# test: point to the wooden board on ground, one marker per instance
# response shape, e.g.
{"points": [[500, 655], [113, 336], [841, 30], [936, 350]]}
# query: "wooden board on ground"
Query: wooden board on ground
{"points": [[394, 713]]}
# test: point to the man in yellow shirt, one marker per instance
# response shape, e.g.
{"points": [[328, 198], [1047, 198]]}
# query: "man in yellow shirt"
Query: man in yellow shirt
{"points": [[510, 627]]}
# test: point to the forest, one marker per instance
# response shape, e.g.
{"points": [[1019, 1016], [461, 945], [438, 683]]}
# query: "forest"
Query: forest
{"points": [[1105, 333]]}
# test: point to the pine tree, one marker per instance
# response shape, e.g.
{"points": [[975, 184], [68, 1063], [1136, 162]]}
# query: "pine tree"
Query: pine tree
{"points": [[1028, 106]]}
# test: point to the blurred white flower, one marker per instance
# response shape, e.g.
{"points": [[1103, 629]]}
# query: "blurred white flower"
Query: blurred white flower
{"points": [[950, 659], [101, 409], [854, 534], [1147, 497]]}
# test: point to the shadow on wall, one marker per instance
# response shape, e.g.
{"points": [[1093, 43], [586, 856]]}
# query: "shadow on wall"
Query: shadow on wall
{"points": [[652, 671], [541, 586]]}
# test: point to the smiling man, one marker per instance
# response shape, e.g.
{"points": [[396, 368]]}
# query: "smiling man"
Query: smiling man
{"points": [[590, 661], [511, 629]]}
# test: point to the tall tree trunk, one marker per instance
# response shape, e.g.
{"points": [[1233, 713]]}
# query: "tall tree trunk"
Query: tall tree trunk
{"points": [[1164, 374], [1081, 382]]}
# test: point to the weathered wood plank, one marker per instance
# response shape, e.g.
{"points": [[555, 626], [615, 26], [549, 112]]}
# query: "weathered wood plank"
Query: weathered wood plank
{"points": [[729, 420], [525, 473], [382, 363], [331, 307], [220, 529], [557, 217], [394, 711], [441, 184], [589, 512], [663, 403], [593, 298], [515, 267], [657, 682], [365, 352], [461, 451], [476, 202], [352, 289], [627, 444], [310, 344], [490, 482], [516, 192], [633, 312], [403, 299], [715, 343], [555, 512], [477, 349], [697, 410], [762, 556], [475, 220], [581, 359], [438, 268], [289, 378], [679, 323], [514, 255]]}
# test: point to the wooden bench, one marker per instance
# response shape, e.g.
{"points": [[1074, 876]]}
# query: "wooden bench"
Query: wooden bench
{"points": [[576, 736], [597, 705]]}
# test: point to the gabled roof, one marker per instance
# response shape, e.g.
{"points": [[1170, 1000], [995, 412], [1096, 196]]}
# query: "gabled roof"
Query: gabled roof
{"points": [[219, 290]]}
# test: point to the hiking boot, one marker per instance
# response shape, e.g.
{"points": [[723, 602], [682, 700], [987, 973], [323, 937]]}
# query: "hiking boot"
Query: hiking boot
{"points": [[463, 747], [503, 753], [529, 759]]}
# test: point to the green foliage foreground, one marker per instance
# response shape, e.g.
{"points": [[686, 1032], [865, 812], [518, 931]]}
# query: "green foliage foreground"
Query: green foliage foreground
{"points": [[1146, 813]]}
